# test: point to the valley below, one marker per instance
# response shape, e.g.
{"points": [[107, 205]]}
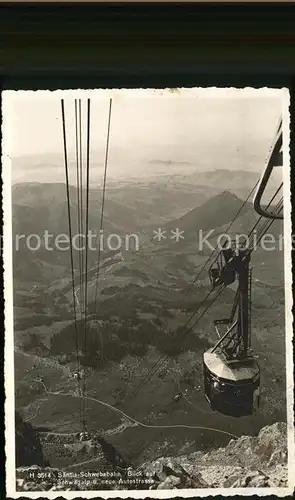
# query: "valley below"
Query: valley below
{"points": [[137, 311]]}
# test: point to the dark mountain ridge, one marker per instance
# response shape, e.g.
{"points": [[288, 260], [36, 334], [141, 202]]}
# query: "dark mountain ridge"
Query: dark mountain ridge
{"points": [[142, 307], [213, 213]]}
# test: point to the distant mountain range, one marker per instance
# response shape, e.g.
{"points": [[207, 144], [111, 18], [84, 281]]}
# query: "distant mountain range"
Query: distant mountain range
{"points": [[169, 162], [143, 302], [124, 163], [139, 209]]}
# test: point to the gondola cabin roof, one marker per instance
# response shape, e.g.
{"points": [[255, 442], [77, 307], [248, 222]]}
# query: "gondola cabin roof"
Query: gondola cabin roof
{"points": [[235, 371]]}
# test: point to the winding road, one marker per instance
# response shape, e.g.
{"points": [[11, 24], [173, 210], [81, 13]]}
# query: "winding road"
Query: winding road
{"points": [[134, 420]]}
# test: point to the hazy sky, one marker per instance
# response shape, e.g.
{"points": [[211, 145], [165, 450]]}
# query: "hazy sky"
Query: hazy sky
{"points": [[180, 127]]}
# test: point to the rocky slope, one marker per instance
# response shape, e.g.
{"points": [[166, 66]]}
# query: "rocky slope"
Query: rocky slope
{"points": [[259, 461]]}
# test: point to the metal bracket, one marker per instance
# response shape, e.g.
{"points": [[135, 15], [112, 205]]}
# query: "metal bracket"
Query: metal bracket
{"points": [[275, 160]]}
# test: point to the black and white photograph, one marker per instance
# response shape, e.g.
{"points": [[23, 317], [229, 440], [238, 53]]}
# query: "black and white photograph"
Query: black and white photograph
{"points": [[148, 293]]}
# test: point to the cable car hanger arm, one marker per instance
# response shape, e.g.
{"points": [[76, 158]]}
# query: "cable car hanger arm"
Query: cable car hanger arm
{"points": [[271, 164]]}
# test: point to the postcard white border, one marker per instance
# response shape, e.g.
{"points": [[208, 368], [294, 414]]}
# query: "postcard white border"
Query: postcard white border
{"points": [[8, 96]]}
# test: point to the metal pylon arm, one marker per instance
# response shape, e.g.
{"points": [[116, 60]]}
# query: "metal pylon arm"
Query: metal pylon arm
{"points": [[274, 161], [225, 335]]}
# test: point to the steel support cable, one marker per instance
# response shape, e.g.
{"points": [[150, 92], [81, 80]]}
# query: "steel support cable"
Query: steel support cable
{"points": [[212, 254], [261, 217], [186, 332], [103, 202], [266, 225], [154, 369], [226, 231], [279, 209], [215, 250], [81, 198], [268, 205], [158, 364], [70, 230], [86, 258], [78, 154], [69, 210], [82, 307], [202, 314], [78, 197], [274, 303], [177, 341], [264, 284], [241, 208], [269, 223], [262, 232], [200, 318]]}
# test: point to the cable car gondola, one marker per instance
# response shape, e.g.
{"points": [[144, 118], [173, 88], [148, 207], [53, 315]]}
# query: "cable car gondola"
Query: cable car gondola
{"points": [[231, 386], [231, 374]]}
